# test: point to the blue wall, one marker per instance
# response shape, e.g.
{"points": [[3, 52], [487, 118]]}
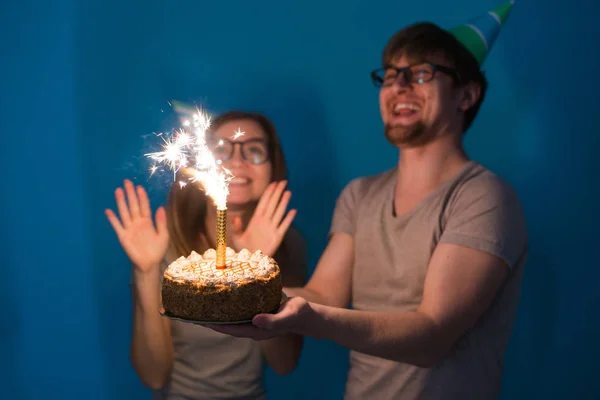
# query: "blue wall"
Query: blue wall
{"points": [[84, 82]]}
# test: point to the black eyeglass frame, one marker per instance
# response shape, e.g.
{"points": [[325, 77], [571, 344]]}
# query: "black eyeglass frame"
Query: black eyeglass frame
{"points": [[407, 73], [216, 143]]}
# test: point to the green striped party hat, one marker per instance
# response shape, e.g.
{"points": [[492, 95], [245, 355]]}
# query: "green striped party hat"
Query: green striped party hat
{"points": [[479, 34]]}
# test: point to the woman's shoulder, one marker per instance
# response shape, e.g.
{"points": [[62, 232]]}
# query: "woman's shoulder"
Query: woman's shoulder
{"points": [[292, 257], [294, 238]]}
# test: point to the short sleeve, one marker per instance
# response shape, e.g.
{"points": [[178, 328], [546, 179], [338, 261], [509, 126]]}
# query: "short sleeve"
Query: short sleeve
{"points": [[486, 215], [346, 208], [292, 258]]}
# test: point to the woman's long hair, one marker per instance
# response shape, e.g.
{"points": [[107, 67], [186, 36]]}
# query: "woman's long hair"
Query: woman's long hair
{"points": [[186, 206]]}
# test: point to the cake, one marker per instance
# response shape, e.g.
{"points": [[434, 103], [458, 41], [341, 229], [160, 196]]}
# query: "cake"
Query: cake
{"points": [[195, 289]]}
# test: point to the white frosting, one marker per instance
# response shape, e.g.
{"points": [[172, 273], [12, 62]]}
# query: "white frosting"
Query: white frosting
{"points": [[241, 266], [210, 253]]}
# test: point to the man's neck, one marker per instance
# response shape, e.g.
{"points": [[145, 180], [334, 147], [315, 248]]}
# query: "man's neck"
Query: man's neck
{"points": [[422, 169]]}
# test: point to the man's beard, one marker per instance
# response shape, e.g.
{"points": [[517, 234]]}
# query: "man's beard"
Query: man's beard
{"points": [[414, 135]]}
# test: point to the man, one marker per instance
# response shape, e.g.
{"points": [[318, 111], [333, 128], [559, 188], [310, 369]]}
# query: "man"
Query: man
{"points": [[429, 254]]}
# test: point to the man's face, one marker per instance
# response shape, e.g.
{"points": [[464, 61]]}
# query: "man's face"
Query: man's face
{"points": [[416, 113]]}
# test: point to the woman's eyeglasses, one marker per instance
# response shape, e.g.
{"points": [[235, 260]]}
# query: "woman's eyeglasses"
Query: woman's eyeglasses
{"points": [[254, 151]]}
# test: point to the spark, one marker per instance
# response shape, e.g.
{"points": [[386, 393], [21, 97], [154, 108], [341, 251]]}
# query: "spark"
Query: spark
{"points": [[187, 147], [237, 134]]}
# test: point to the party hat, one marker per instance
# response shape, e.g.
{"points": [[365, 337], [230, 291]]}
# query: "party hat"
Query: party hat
{"points": [[479, 34]]}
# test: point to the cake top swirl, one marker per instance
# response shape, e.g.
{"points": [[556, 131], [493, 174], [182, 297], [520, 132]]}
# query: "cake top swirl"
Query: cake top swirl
{"points": [[242, 266]]}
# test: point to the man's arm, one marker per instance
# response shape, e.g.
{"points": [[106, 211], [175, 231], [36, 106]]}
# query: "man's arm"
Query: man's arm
{"points": [[484, 238], [459, 287], [331, 282]]}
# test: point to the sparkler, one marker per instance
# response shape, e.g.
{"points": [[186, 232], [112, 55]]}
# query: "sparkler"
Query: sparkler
{"points": [[188, 148]]}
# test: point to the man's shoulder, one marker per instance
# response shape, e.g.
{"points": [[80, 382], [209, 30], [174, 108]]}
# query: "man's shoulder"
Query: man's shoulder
{"points": [[484, 212], [480, 191], [479, 180]]}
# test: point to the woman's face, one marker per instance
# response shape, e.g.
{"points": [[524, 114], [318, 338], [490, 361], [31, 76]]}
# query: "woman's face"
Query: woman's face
{"points": [[246, 156]]}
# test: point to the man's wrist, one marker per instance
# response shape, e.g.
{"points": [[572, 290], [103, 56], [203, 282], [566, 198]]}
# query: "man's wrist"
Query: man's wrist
{"points": [[317, 326]]}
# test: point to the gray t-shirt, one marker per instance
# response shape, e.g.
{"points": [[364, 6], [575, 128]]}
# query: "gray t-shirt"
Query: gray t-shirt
{"points": [[211, 365], [476, 209]]}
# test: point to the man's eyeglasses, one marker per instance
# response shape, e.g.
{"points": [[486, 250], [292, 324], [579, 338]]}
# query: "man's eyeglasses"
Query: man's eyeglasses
{"points": [[254, 151], [418, 73]]}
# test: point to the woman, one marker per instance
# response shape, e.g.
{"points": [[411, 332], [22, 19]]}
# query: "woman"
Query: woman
{"points": [[180, 360]]}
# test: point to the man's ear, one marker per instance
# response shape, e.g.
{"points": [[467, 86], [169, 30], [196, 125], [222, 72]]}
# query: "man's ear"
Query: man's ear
{"points": [[470, 95]]}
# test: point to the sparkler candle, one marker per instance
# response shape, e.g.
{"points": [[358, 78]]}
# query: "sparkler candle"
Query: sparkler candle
{"points": [[221, 238], [188, 148]]}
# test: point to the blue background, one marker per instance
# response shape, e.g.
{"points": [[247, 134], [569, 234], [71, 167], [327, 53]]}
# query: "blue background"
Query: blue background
{"points": [[83, 82]]}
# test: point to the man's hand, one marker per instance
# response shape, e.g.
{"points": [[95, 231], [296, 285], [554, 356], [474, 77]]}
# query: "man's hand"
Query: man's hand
{"points": [[294, 316]]}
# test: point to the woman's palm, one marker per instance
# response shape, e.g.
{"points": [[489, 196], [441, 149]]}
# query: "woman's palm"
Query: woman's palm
{"points": [[268, 226], [145, 244]]}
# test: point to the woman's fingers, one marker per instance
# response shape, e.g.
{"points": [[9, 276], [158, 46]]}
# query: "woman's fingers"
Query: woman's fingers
{"points": [[281, 207], [145, 210], [132, 199], [161, 222], [275, 198], [264, 199], [286, 223], [122, 207], [114, 221]]}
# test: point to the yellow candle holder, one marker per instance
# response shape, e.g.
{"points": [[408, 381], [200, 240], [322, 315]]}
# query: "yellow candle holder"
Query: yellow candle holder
{"points": [[221, 239]]}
